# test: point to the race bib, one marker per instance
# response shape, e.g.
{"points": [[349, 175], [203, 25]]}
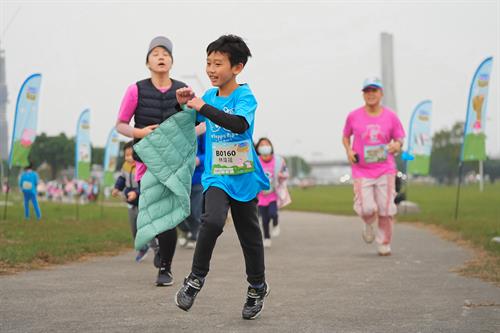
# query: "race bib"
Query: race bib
{"points": [[232, 158], [27, 185], [375, 154]]}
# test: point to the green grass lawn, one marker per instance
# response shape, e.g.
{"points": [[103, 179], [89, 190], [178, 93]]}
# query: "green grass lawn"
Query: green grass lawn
{"points": [[59, 237], [479, 213]]}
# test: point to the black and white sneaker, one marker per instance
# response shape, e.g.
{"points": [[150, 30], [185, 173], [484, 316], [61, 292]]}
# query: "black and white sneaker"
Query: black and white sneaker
{"points": [[185, 297], [255, 301], [164, 278]]}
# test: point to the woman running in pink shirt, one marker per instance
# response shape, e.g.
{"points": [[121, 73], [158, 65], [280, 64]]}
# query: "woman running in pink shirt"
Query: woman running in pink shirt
{"points": [[378, 136]]}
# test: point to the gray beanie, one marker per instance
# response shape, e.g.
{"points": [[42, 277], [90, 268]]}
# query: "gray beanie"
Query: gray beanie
{"points": [[160, 41]]}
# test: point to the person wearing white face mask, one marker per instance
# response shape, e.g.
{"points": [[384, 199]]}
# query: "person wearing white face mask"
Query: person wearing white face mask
{"points": [[277, 196]]}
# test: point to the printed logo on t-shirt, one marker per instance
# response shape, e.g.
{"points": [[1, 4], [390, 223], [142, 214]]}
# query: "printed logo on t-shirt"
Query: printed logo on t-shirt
{"points": [[372, 134]]}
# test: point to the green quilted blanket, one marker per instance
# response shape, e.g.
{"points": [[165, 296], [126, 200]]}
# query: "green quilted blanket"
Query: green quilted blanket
{"points": [[169, 153]]}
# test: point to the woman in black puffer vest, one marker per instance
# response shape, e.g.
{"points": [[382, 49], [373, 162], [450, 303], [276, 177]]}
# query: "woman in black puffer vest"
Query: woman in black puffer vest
{"points": [[150, 102]]}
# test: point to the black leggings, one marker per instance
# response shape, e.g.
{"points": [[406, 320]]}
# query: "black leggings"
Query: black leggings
{"points": [[167, 241], [246, 224]]}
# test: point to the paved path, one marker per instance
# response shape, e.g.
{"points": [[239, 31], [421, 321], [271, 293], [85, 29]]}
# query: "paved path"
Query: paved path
{"points": [[323, 278]]}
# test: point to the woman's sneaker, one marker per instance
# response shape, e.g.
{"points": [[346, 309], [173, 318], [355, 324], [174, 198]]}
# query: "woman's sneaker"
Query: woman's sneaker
{"points": [[164, 278], [368, 233], [267, 242], [384, 250], [181, 240], [185, 297], [255, 301], [190, 244], [275, 231]]}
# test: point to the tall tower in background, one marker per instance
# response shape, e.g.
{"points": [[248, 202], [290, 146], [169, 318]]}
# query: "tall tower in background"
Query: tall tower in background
{"points": [[4, 129], [387, 57]]}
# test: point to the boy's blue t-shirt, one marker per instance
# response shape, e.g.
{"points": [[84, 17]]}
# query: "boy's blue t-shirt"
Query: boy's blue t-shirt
{"points": [[28, 181], [231, 153]]}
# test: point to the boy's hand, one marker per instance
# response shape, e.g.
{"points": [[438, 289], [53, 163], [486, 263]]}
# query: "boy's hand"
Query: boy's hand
{"points": [[115, 192], [131, 196], [195, 103], [139, 133], [184, 95], [394, 147]]}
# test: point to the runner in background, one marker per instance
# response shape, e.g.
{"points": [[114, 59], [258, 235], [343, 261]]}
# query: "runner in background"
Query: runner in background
{"points": [[277, 196], [377, 137]]}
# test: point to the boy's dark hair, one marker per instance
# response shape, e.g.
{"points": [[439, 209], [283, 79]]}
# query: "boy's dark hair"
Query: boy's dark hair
{"points": [[128, 145], [234, 46], [29, 166], [260, 141]]}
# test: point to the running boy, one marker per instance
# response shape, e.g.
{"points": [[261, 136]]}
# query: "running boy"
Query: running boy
{"points": [[150, 102], [233, 175], [378, 136]]}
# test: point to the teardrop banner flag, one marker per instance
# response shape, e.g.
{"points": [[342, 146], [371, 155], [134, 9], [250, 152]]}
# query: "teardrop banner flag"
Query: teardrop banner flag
{"points": [[474, 143], [111, 157], [25, 121], [420, 139], [83, 149]]}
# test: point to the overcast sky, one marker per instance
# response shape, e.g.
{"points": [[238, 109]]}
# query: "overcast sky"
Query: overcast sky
{"points": [[309, 59]]}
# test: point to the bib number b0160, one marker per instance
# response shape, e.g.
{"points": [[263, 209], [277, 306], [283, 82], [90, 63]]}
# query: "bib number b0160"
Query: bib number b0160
{"points": [[232, 158]]}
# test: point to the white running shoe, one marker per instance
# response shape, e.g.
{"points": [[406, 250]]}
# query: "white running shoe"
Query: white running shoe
{"points": [[190, 244], [384, 250], [275, 231], [368, 233], [267, 242], [182, 241]]}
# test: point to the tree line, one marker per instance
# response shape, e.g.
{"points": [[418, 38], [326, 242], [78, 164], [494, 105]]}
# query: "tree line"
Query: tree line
{"points": [[59, 153], [446, 146]]}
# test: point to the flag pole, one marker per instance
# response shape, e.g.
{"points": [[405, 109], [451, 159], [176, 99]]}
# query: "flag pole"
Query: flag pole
{"points": [[6, 196], [457, 201], [481, 176]]}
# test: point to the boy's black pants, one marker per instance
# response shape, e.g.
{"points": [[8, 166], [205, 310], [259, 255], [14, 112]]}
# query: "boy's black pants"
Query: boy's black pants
{"points": [[246, 224]]}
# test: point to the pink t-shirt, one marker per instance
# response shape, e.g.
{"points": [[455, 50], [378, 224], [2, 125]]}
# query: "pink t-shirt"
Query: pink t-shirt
{"points": [[266, 197], [371, 136], [127, 111]]}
